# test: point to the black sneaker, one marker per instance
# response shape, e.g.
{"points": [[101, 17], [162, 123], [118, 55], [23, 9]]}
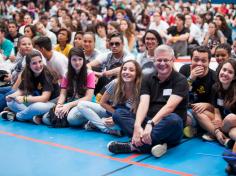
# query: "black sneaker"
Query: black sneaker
{"points": [[229, 143], [7, 115], [119, 147]]}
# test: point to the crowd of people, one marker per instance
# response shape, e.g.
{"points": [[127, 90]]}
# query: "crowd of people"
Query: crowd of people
{"points": [[109, 66]]}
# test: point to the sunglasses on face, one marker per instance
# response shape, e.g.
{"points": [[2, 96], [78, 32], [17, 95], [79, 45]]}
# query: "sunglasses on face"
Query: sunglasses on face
{"points": [[114, 43]]}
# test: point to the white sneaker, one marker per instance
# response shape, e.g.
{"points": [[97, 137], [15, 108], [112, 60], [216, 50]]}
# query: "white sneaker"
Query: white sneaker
{"points": [[159, 150]]}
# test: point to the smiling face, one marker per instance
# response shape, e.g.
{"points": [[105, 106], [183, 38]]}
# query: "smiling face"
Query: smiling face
{"points": [[226, 74], [221, 55], [163, 63], [76, 63], [36, 65], [128, 73], [150, 41], [88, 43]]}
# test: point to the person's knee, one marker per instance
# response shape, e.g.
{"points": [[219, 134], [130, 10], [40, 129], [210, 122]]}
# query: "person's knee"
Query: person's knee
{"points": [[175, 121], [229, 122], [74, 118], [230, 119], [119, 114], [82, 104]]}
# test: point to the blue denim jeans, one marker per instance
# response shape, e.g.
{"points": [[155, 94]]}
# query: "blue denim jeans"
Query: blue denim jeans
{"points": [[169, 130], [27, 112], [95, 113], [4, 91]]}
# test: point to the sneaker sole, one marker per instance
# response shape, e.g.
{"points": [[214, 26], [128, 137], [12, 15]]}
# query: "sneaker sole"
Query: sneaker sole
{"points": [[159, 150], [207, 138]]}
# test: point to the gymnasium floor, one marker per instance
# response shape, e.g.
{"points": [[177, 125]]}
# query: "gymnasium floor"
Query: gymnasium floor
{"points": [[37, 150]]}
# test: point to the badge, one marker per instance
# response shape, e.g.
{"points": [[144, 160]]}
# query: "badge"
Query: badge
{"points": [[220, 102], [167, 92]]}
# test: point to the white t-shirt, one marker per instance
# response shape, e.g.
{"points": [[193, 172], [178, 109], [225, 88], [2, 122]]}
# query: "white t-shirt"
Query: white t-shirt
{"points": [[58, 63], [103, 58]]}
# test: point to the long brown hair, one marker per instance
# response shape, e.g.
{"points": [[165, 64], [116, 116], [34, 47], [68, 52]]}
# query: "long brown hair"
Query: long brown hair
{"points": [[27, 76], [120, 92], [230, 93], [76, 81]]}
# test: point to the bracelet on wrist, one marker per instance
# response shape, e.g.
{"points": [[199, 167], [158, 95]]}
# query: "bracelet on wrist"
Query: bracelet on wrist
{"points": [[217, 130]]}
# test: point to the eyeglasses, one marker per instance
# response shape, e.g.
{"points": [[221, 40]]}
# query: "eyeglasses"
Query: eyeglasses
{"points": [[163, 60], [115, 44]]}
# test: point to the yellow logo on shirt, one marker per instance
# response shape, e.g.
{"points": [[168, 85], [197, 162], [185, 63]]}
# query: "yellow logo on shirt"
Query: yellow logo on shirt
{"points": [[201, 90]]}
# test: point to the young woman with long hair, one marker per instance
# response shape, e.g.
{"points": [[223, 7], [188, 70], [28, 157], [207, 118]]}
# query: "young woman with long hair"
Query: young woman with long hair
{"points": [[223, 26], [214, 37], [127, 29], [121, 92], [78, 85], [38, 86], [224, 101]]}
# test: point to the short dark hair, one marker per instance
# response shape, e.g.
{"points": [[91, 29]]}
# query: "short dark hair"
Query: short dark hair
{"points": [[225, 46], [202, 49], [117, 34], [43, 42], [68, 34], [181, 17], [13, 22], [2, 29]]}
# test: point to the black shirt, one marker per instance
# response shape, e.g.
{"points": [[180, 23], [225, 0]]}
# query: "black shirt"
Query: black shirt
{"points": [[201, 87], [217, 98], [159, 93], [174, 32], [41, 84]]}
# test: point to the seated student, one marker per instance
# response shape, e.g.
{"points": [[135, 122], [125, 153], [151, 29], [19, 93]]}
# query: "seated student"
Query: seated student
{"points": [[6, 46], [123, 91], [222, 52], [25, 46], [63, 39], [78, 85], [161, 113], [38, 86], [200, 79], [233, 52], [88, 45], [224, 101], [151, 39], [56, 61], [110, 62], [78, 39]]}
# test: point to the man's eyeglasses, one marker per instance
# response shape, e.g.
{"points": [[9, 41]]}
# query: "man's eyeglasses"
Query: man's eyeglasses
{"points": [[163, 60], [114, 43]]}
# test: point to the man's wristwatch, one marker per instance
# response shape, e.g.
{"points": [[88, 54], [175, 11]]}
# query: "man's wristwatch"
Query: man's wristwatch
{"points": [[151, 123]]}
